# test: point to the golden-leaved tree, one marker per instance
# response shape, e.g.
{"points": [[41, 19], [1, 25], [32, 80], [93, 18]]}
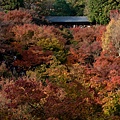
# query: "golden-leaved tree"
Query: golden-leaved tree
{"points": [[112, 34]]}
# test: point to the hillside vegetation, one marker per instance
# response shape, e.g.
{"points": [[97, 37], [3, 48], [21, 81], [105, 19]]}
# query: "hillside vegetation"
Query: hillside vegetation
{"points": [[50, 73]]}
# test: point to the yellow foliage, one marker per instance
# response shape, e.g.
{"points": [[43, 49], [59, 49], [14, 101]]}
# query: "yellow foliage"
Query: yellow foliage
{"points": [[111, 103], [112, 35], [50, 43]]}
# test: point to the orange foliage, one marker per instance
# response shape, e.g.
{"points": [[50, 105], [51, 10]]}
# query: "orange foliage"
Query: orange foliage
{"points": [[32, 57], [17, 17]]}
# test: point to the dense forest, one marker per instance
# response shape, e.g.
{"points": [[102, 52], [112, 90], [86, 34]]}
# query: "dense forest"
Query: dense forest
{"points": [[58, 73], [97, 10]]}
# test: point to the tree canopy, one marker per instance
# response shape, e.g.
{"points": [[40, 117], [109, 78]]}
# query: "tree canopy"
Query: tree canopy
{"points": [[98, 10], [61, 8], [78, 6], [57, 73], [11, 4]]}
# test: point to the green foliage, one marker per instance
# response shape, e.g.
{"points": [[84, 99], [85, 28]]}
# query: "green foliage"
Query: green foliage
{"points": [[77, 6], [98, 11], [111, 103], [12, 4], [43, 7], [61, 8]]}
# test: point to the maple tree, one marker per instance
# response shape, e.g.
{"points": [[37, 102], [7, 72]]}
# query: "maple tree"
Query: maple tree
{"points": [[85, 46], [52, 73]]}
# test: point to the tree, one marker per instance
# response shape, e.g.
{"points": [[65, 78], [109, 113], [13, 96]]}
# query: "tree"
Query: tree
{"points": [[61, 8], [41, 7], [98, 10], [44, 7], [112, 34], [77, 6], [11, 4]]}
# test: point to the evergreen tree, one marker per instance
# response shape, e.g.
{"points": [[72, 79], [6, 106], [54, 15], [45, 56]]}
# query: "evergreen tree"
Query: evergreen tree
{"points": [[11, 4], [62, 8], [43, 7], [77, 6], [98, 10]]}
